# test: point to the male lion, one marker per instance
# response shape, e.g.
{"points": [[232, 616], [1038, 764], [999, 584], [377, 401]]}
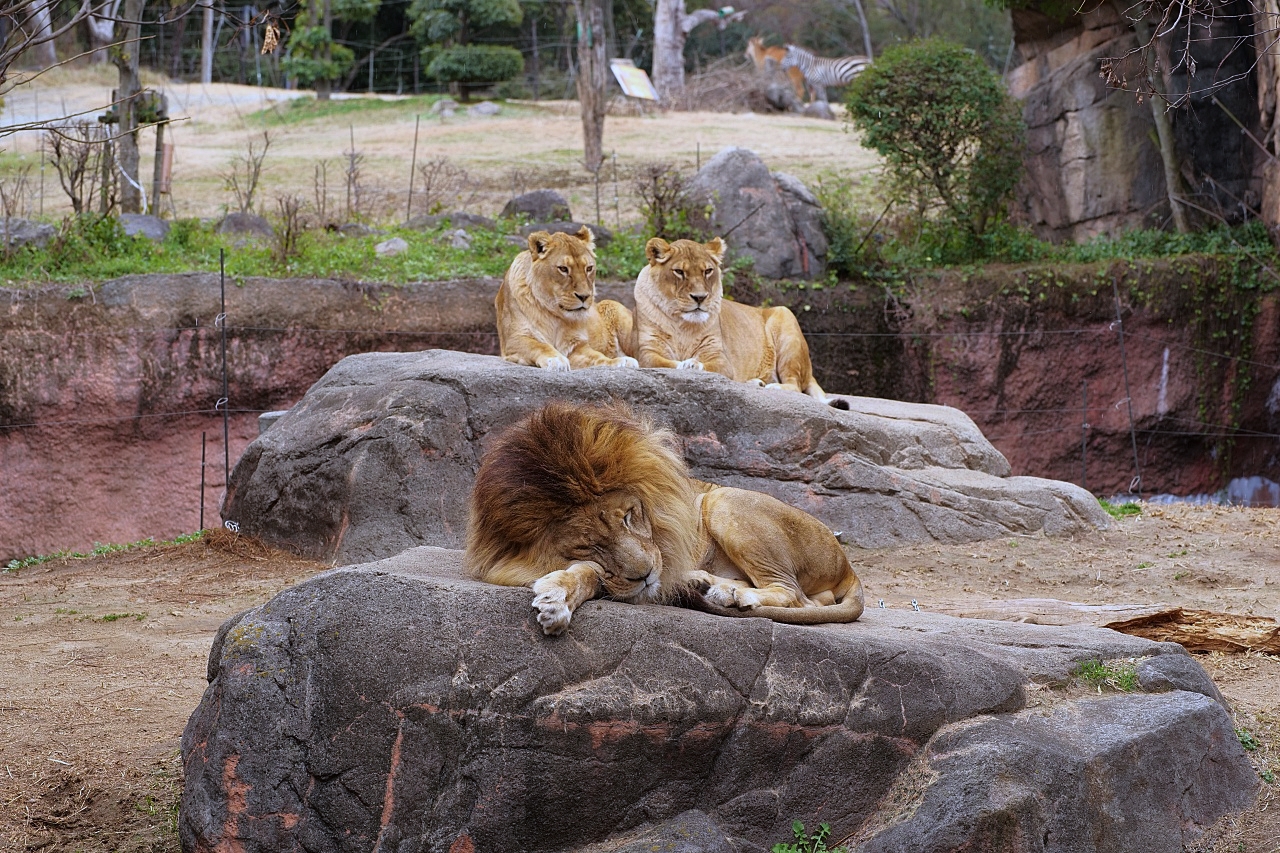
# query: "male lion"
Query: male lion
{"points": [[682, 320], [547, 311], [576, 502]]}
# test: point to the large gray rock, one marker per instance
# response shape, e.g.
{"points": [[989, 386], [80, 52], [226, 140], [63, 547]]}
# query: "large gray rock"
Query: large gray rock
{"points": [[539, 206], [396, 707], [770, 218], [380, 455], [16, 233], [603, 235], [153, 228]]}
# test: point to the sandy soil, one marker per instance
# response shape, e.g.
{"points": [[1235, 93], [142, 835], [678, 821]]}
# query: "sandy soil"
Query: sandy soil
{"points": [[527, 146], [102, 659]]}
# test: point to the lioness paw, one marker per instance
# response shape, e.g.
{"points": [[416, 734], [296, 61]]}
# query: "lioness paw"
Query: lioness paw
{"points": [[758, 383], [625, 361], [558, 364], [689, 364], [553, 613], [746, 599]]}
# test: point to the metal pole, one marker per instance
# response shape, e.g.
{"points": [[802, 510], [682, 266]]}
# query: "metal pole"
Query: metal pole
{"points": [[202, 446], [1084, 437], [617, 213], [1136, 485], [413, 166], [224, 402]]}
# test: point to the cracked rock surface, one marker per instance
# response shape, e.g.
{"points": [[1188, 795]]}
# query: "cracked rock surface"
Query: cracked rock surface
{"points": [[398, 706], [380, 454]]}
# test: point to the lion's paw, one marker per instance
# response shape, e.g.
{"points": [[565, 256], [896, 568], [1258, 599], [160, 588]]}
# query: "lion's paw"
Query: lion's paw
{"points": [[559, 364], [720, 594], [758, 383], [746, 599], [777, 386], [553, 613], [689, 364], [626, 361]]}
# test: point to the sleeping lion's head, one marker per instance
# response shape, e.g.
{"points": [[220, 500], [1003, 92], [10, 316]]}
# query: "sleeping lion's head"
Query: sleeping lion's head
{"points": [[564, 272], [574, 483], [687, 276]]}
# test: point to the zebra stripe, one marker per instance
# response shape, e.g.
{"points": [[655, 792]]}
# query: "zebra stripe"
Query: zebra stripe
{"points": [[821, 71]]}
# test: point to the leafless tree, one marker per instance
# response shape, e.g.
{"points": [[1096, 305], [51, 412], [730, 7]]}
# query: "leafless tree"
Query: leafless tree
{"points": [[245, 171], [76, 150], [445, 185], [671, 28]]}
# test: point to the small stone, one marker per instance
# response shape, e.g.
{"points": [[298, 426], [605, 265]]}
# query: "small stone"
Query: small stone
{"points": [[25, 232], [391, 248], [444, 106], [484, 108], [458, 239], [539, 206]]}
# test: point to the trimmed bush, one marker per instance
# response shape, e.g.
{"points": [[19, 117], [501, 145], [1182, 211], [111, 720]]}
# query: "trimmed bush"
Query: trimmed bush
{"points": [[951, 136], [474, 65]]}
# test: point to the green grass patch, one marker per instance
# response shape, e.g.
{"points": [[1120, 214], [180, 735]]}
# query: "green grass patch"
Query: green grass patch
{"points": [[1120, 510], [307, 108], [99, 549], [92, 249], [116, 617], [1115, 675], [802, 842]]}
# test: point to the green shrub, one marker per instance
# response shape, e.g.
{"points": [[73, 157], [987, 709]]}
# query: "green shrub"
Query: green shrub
{"points": [[306, 60], [474, 64], [952, 138]]}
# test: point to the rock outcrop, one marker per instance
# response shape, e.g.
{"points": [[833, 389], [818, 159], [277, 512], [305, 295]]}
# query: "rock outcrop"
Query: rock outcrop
{"points": [[1093, 166], [771, 218], [379, 456], [395, 706]]}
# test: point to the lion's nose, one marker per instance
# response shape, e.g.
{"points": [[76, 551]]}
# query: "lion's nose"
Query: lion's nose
{"points": [[583, 297], [698, 297]]}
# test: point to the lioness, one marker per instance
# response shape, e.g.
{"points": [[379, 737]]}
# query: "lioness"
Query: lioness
{"points": [[682, 320], [578, 501], [547, 311]]}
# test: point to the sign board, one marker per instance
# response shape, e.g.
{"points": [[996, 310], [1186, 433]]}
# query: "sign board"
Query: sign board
{"points": [[634, 81]]}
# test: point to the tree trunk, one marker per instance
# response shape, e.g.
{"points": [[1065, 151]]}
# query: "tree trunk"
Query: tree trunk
{"points": [[102, 28], [593, 79], [325, 87], [1266, 24], [668, 50], [206, 45], [1164, 127], [42, 32], [125, 58], [866, 33]]}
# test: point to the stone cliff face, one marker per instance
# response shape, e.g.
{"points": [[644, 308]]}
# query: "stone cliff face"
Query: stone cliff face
{"points": [[1093, 166], [103, 399]]}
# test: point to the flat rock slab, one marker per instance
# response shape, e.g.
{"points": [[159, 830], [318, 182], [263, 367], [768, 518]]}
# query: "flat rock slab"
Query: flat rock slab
{"points": [[395, 706], [380, 455]]}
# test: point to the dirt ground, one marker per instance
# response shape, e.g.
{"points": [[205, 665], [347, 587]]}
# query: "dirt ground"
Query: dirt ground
{"points": [[103, 659]]}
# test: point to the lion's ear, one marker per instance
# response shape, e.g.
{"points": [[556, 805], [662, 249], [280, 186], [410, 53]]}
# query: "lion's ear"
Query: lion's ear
{"points": [[715, 246], [539, 241], [584, 234], [657, 251]]}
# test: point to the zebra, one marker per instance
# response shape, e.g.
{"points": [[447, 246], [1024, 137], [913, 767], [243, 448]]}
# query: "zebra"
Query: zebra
{"points": [[821, 72]]}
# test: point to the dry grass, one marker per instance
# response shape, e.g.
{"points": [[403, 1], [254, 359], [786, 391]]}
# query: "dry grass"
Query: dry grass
{"points": [[540, 141]]}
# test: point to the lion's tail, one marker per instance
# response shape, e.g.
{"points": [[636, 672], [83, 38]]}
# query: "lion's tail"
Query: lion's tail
{"points": [[847, 609]]}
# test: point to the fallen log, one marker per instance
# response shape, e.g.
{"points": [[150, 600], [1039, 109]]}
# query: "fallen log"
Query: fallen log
{"points": [[1195, 630]]}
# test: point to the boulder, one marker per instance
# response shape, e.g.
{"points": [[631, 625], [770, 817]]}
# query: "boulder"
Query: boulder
{"points": [[355, 229], [392, 247], [16, 233], [153, 228], [603, 235], [770, 218], [457, 238], [538, 206], [396, 706], [444, 107], [380, 455], [246, 225], [819, 109], [483, 109]]}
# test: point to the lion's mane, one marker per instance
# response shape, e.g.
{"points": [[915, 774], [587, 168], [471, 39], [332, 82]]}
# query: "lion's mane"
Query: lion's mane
{"points": [[564, 457]]}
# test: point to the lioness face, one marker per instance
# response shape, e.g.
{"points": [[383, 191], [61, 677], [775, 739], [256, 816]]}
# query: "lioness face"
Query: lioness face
{"points": [[615, 532], [687, 275], [564, 272]]}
